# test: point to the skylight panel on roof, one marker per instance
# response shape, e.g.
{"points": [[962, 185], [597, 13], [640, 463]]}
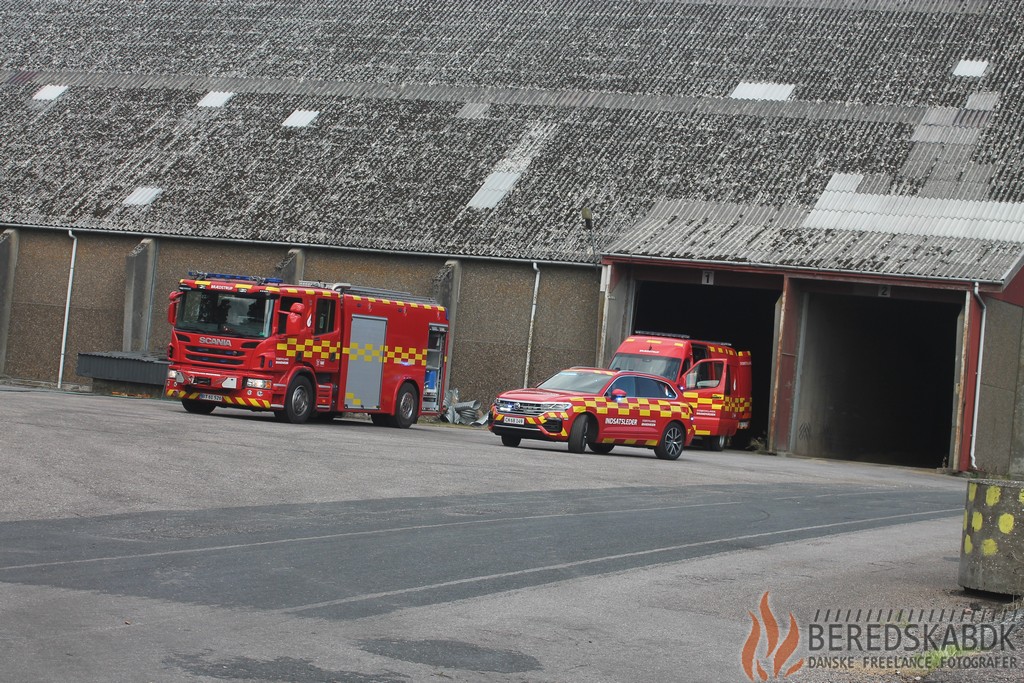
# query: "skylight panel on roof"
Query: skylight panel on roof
{"points": [[143, 196], [970, 68], [215, 99], [300, 118], [50, 92], [762, 91], [494, 189]]}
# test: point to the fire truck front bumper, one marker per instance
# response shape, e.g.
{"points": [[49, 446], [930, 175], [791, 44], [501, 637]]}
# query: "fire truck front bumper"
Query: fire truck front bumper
{"points": [[228, 390]]}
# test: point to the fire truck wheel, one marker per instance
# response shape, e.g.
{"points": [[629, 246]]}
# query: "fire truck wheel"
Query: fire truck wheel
{"points": [[581, 432], [601, 448], [298, 402], [673, 439], [197, 407], [406, 412], [511, 441], [715, 443]]}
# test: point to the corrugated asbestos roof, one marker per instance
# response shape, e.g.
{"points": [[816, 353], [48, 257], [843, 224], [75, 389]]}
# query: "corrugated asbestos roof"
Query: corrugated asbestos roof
{"points": [[481, 129]]}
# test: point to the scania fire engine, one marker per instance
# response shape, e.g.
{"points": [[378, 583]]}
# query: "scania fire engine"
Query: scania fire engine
{"points": [[307, 351], [714, 378]]}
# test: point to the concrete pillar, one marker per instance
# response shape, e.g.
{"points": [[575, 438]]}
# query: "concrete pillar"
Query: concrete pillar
{"points": [[8, 264], [617, 299], [292, 268], [446, 287], [993, 537], [139, 287]]}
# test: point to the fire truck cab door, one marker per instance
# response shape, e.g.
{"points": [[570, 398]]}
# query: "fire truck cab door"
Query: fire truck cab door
{"points": [[365, 359], [707, 387]]}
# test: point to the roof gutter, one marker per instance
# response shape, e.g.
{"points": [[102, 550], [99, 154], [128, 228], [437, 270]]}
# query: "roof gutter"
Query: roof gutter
{"points": [[780, 268], [977, 379]]}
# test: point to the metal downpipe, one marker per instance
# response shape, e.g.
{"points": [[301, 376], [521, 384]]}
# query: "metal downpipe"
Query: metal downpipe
{"points": [[533, 318], [67, 309], [977, 381]]}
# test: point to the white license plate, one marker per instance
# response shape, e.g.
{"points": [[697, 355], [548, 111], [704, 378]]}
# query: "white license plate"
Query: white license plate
{"points": [[210, 397], [515, 420]]}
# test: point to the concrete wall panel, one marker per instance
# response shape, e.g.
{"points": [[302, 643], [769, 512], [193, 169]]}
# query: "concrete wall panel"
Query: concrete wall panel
{"points": [[40, 289]]}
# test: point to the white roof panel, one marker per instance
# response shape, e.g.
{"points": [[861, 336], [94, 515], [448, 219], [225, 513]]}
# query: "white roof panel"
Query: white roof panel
{"points": [[50, 92], [215, 99], [142, 196], [300, 118]]}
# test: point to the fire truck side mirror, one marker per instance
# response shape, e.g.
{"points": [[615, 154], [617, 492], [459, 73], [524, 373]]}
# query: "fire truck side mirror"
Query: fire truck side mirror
{"points": [[296, 324], [172, 307]]}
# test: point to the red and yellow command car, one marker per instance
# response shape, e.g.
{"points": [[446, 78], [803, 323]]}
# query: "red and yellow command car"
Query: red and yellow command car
{"points": [[597, 408]]}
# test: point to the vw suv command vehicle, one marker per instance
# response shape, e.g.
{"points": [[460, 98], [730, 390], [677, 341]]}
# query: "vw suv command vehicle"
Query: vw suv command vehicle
{"points": [[597, 408]]}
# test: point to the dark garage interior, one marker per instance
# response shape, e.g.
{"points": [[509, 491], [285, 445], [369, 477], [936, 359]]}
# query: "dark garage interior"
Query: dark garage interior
{"points": [[876, 375], [876, 380], [742, 317]]}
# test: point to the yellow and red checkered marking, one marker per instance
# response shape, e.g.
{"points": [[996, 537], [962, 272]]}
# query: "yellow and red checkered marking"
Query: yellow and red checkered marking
{"points": [[310, 348], [406, 355], [631, 407]]}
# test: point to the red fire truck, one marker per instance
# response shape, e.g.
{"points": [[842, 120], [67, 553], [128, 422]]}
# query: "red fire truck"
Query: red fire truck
{"points": [[307, 351], [714, 378]]}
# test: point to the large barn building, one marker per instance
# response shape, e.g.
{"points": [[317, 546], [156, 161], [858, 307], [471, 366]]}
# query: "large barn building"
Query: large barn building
{"points": [[835, 185]]}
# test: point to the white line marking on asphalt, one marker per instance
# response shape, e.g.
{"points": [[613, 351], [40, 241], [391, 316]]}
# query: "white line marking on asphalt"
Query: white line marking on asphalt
{"points": [[346, 534], [579, 563]]}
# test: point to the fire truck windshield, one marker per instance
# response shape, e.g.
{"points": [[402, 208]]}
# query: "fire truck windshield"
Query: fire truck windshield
{"points": [[652, 365], [227, 313]]}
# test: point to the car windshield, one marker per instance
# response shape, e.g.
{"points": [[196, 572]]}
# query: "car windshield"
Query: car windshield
{"points": [[226, 313], [582, 381], [651, 365]]}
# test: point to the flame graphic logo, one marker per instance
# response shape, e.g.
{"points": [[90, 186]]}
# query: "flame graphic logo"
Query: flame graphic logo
{"points": [[777, 653]]}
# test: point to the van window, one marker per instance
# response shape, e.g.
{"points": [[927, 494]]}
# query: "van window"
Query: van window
{"points": [[706, 375], [661, 366], [700, 352]]}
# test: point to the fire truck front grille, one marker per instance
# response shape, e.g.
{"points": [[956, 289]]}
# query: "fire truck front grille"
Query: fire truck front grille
{"points": [[215, 356]]}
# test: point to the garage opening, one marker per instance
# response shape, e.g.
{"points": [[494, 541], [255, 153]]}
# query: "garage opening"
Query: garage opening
{"points": [[876, 380], [742, 317]]}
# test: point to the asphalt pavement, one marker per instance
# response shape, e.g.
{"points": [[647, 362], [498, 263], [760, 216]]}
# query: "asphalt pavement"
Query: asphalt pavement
{"points": [[138, 542]]}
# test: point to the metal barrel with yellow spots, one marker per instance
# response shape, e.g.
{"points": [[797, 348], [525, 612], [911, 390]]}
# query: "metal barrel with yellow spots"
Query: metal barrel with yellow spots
{"points": [[992, 547]]}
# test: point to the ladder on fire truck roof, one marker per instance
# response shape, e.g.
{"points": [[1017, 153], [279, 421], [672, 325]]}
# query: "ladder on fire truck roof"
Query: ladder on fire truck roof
{"points": [[372, 292]]}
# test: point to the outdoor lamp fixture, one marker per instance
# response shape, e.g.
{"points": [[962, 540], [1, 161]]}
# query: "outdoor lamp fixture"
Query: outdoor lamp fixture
{"points": [[588, 217]]}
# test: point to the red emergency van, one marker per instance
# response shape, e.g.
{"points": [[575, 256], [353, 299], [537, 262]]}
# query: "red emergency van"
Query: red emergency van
{"points": [[713, 377]]}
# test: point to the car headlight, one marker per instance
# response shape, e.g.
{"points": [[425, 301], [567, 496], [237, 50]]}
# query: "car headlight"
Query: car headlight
{"points": [[559, 407], [176, 376], [252, 383]]}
